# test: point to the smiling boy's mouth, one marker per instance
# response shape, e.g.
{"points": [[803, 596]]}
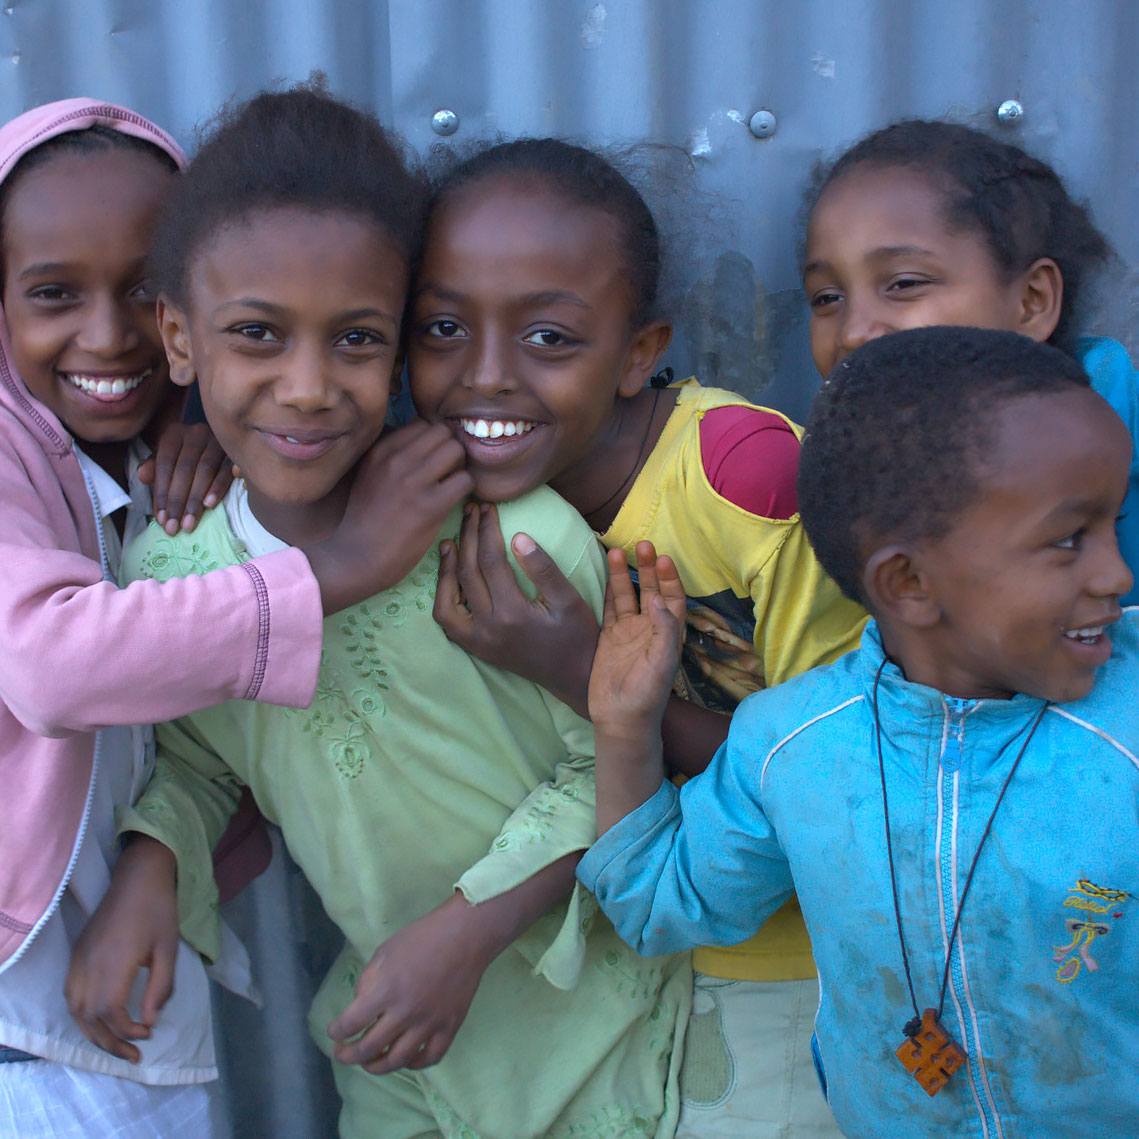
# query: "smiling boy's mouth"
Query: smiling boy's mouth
{"points": [[106, 388], [1088, 635], [1091, 644]]}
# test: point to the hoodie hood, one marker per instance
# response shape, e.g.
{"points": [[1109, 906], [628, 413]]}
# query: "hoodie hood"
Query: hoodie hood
{"points": [[23, 134]]}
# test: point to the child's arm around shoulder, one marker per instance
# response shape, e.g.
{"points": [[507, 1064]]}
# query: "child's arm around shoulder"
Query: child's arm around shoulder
{"points": [[58, 615], [183, 640]]}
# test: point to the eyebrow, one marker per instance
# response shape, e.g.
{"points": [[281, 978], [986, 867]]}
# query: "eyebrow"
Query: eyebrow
{"points": [[556, 297], [881, 253], [42, 268], [271, 309], [530, 300], [1070, 507]]}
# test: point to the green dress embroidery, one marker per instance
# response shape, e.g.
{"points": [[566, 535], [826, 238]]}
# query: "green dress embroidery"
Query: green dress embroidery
{"points": [[415, 771]]}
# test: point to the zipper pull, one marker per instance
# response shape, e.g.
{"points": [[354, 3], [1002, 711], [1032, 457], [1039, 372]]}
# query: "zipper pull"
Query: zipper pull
{"points": [[951, 757]]}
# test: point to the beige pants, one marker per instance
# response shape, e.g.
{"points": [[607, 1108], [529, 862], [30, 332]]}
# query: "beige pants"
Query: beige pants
{"points": [[747, 1068]]}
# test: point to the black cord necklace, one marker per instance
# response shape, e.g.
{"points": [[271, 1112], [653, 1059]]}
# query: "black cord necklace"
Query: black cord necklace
{"points": [[929, 1053], [657, 389]]}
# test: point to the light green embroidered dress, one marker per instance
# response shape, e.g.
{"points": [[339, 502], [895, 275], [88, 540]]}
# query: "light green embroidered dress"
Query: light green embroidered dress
{"points": [[416, 770]]}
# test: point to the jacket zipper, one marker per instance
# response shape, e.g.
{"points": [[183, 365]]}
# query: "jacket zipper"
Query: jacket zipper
{"points": [[950, 765], [81, 834]]}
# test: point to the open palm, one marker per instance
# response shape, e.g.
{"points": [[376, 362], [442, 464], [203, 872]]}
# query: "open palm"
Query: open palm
{"points": [[639, 647]]}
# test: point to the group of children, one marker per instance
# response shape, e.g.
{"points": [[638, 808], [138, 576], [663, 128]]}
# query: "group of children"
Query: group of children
{"points": [[402, 645]]}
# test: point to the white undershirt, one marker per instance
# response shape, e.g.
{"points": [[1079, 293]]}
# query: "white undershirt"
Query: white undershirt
{"points": [[243, 522]]}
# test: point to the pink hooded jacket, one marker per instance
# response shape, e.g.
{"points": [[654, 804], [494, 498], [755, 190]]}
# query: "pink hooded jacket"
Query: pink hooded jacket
{"points": [[76, 652]]}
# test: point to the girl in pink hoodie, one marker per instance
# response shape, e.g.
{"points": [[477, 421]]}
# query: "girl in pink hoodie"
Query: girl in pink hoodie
{"points": [[82, 373]]}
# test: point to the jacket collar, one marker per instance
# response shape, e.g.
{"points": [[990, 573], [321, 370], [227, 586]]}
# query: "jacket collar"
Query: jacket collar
{"points": [[912, 714]]}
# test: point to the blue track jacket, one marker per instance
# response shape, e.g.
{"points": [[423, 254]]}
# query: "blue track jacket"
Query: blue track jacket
{"points": [[1043, 990]]}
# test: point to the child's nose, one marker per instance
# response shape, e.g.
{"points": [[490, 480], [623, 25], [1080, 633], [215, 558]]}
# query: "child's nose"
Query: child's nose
{"points": [[304, 382], [1112, 576], [490, 373], [109, 329], [861, 323]]}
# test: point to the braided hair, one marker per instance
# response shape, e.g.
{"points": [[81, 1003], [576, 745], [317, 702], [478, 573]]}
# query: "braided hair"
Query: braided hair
{"points": [[1015, 202], [581, 177]]}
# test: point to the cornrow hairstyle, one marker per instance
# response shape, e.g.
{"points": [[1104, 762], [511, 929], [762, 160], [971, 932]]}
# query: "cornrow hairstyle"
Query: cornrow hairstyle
{"points": [[298, 148], [92, 140], [894, 437], [1015, 202], [582, 177]]}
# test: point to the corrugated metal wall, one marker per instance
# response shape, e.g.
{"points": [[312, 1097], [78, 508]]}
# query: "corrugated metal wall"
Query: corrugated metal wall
{"points": [[685, 72]]}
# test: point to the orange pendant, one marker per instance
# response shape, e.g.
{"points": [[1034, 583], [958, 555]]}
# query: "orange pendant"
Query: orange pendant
{"points": [[930, 1055]]}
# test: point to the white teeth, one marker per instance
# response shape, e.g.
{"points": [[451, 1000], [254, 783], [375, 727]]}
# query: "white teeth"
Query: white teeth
{"points": [[290, 439], [95, 385], [1087, 635], [496, 428]]}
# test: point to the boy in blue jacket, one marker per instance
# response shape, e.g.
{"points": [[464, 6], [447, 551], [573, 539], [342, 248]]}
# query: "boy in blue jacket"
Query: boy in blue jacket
{"points": [[957, 802]]}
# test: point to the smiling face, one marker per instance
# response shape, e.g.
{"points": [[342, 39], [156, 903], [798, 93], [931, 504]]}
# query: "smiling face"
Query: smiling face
{"points": [[79, 308], [292, 329], [521, 334], [1029, 577], [881, 257]]}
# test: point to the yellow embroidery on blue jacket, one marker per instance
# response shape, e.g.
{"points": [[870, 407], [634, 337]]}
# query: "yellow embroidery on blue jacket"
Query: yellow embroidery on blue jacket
{"points": [[1093, 900]]}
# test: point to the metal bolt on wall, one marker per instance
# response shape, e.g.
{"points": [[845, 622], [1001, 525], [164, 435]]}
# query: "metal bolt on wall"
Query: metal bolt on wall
{"points": [[1010, 112], [444, 121], [762, 124]]}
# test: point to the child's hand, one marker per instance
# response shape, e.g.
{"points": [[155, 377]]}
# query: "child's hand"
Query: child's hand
{"points": [[413, 995], [404, 486], [188, 471], [550, 640], [135, 927], [639, 647]]}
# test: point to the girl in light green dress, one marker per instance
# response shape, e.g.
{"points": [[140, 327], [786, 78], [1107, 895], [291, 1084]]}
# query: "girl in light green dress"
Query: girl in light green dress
{"points": [[437, 804]]}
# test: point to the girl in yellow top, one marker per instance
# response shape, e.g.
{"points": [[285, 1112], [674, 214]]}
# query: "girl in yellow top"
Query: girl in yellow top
{"points": [[533, 333]]}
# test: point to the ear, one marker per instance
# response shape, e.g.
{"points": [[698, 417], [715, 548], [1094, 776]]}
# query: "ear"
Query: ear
{"points": [[395, 385], [174, 326], [898, 587], [1041, 294], [646, 349]]}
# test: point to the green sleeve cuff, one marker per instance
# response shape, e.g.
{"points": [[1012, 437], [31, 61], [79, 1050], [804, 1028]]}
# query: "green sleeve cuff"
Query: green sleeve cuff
{"points": [[182, 831], [556, 819]]}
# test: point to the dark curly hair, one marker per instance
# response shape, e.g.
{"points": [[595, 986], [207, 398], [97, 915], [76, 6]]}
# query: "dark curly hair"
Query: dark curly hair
{"points": [[301, 148], [580, 176], [891, 443], [1016, 202]]}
